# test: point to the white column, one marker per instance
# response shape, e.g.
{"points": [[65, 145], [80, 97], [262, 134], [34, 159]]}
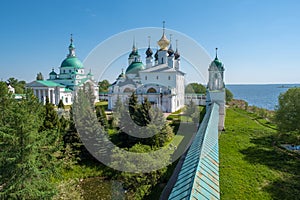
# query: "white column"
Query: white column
{"points": [[53, 96], [44, 96], [48, 95]]}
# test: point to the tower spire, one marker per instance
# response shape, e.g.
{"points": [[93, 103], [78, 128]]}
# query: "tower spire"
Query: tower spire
{"points": [[149, 40], [216, 53], [133, 44], [71, 47], [164, 28], [149, 52], [176, 54], [170, 50]]}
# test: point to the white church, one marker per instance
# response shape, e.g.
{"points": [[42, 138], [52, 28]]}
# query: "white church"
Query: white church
{"points": [[62, 85], [160, 80]]}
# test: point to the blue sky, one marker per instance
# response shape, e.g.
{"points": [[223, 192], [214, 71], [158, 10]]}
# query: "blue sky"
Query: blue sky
{"points": [[258, 41]]}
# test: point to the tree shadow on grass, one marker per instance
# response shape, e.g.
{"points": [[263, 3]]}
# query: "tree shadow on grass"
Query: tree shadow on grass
{"points": [[265, 152]]}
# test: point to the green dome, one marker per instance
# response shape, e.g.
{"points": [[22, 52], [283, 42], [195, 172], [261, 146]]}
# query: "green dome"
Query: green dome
{"points": [[52, 73], [218, 63], [72, 62], [134, 68], [133, 53]]}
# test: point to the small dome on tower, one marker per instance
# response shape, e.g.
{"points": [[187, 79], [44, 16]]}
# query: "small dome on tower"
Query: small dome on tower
{"points": [[170, 50], [217, 62], [53, 72], [177, 54], [149, 52]]}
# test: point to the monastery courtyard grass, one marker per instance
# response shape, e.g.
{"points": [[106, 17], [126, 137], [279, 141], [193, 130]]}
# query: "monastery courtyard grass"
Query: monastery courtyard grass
{"points": [[252, 164]]}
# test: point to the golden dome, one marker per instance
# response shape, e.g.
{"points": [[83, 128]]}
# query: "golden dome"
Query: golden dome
{"points": [[163, 42]]}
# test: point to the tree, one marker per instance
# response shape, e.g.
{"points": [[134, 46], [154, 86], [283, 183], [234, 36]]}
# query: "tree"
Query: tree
{"points": [[192, 111], [229, 95], [141, 123], [51, 120], [287, 114], [103, 85], [61, 104], [39, 77], [100, 112], [195, 88], [27, 155], [18, 85], [117, 110]]}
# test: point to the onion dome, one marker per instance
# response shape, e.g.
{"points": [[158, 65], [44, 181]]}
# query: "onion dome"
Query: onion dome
{"points": [[149, 52], [216, 62], [177, 54], [163, 42], [170, 50], [134, 68], [133, 53]]}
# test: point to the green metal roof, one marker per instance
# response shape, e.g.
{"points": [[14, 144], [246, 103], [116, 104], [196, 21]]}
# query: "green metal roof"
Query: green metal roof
{"points": [[72, 61], [50, 83], [134, 68], [199, 175]]}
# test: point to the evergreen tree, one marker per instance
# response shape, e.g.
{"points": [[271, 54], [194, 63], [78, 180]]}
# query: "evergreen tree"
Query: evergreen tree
{"points": [[51, 120], [117, 110], [39, 77], [73, 146], [100, 112], [103, 86], [27, 158], [192, 111], [18, 85], [61, 104]]}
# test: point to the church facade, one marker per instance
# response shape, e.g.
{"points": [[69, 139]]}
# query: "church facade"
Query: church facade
{"points": [[62, 85], [160, 80]]}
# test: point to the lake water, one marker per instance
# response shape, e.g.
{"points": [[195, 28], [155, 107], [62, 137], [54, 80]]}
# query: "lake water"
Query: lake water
{"points": [[263, 96]]}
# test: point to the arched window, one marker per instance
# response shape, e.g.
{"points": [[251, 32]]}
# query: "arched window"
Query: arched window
{"points": [[145, 77], [169, 77], [157, 77], [151, 90]]}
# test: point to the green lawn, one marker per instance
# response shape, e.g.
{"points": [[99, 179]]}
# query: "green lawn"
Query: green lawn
{"points": [[252, 166]]}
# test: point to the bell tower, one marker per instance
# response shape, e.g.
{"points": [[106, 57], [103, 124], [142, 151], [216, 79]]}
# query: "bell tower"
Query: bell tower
{"points": [[216, 88]]}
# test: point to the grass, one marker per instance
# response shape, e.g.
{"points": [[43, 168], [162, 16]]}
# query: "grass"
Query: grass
{"points": [[252, 166]]}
